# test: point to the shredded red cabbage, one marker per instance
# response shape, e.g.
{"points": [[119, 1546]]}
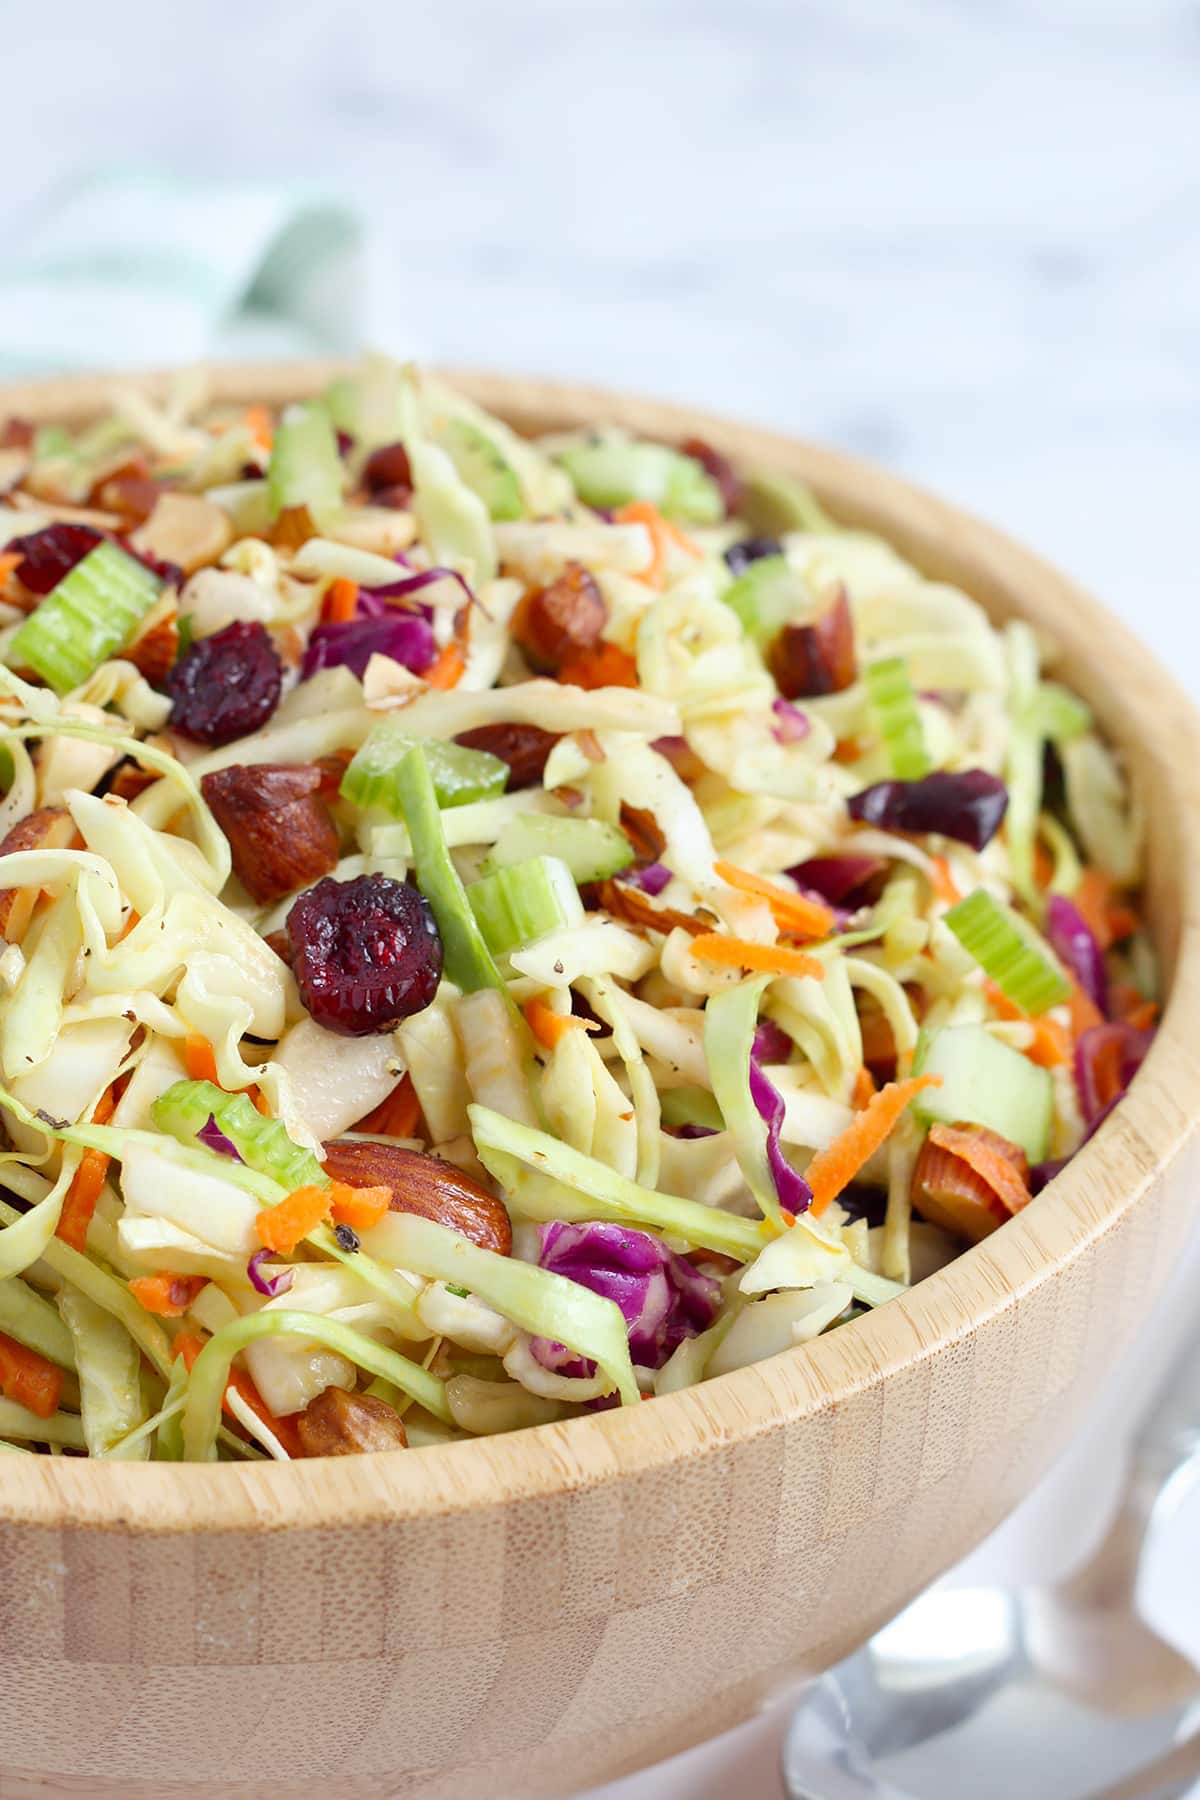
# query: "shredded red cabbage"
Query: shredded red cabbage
{"points": [[212, 1135], [270, 1285], [967, 806], [1073, 939], [771, 1042], [662, 1298], [404, 636], [791, 725], [409, 585], [795, 1195], [1093, 1049], [652, 878]]}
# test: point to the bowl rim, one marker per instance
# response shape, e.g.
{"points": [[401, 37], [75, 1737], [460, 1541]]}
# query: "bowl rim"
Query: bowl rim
{"points": [[1104, 1183]]}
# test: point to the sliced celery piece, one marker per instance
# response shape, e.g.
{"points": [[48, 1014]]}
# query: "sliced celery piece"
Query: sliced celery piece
{"points": [[305, 468], [985, 1082], [769, 595], [92, 613], [610, 474], [773, 504], [591, 848], [1059, 714], [469, 963], [897, 718], [459, 774], [263, 1144], [525, 901], [1004, 948], [482, 466]]}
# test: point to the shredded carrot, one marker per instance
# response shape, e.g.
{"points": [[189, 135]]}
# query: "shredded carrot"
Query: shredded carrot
{"points": [[1091, 900], [130, 924], [200, 1059], [766, 959], [29, 1379], [1043, 865], [10, 561], [167, 1295], [281, 1228], [982, 1152], [87, 1184], [189, 1347], [547, 1026], [1123, 921], [260, 426], [605, 666], [832, 1169], [1051, 1043], [103, 1110], [848, 750], [942, 881], [1000, 1002], [1143, 1016], [447, 670], [864, 1089], [341, 602], [662, 535], [360, 1208], [791, 912], [397, 1116], [1084, 1011], [1106, 1070]]}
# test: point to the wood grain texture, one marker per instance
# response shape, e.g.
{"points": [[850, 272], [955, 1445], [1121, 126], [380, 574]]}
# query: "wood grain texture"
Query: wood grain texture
{"points": [[530, 1614]]}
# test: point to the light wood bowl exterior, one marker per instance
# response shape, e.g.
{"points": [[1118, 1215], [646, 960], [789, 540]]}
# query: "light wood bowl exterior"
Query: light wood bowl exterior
{"points": [[530, 1614]]}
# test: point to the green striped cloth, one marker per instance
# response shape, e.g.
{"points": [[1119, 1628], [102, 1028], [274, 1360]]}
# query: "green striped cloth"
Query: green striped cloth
{"points": [[132, 268]]}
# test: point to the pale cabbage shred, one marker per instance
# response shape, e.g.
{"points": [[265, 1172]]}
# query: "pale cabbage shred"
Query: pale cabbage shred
{"points": [[142, 941]]}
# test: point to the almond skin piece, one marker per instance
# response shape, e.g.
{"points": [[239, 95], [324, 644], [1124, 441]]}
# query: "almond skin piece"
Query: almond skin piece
{"points": [[557, 621], [49, 828], [817, 658], [281, 835], [424, 1185], [340, 1424], [154, 650], [524, 748]]}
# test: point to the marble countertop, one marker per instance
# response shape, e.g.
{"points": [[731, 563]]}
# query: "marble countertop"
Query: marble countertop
{"points": [[959, 236]]}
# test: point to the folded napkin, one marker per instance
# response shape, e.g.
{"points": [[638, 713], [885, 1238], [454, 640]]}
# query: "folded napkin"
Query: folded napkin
{"points": [[133, 268]]}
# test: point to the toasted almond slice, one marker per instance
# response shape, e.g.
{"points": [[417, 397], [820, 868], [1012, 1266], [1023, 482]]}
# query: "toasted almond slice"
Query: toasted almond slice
{"points": [[49, 828], [185, 529]]}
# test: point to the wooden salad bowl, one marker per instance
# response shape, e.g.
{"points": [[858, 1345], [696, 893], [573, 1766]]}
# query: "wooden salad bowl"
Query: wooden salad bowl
{"points": [[527, 1615]]}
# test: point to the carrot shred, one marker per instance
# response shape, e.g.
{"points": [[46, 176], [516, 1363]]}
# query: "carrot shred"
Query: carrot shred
{"points": [[1122, 921], [834, 1168], [848, 750], [87, 1184], [360, 1208], [1091, 900], [397, 1116], [1050, 1045], [942, 881], [605, 666], [1143, 1016], [168, 1296], [547, 1026], [1043, 865], [281, 1228], [341, 602], [1106, 1070], [791, 912], [29, 1378], [1084, 1011], [240, 1383], [260, 425], [765, 959], [864, 1089], [982, 1152], [200, 1059], [10, 560], [105, 1106], [447, 670], [662, 535]]}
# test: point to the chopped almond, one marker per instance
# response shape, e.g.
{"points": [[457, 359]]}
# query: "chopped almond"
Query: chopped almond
{"points": [[281, 834]]}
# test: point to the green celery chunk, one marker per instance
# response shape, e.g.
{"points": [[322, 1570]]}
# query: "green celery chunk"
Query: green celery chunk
{"points": [[525, 901], [263, 1144], [483, 467], [768, 596], [591, 848], [609, 474], [1004, 947], [93, 612], [468, 961], [985, 1082], [897, 717], [305, 468], [772, 504], [459, 774]]}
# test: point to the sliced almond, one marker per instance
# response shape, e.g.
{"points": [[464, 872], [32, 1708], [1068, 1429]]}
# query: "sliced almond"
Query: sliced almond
{"points": [[156, 646], [424, 1185], [185, 529], [281, 835], [57, 512], [49, 828]]}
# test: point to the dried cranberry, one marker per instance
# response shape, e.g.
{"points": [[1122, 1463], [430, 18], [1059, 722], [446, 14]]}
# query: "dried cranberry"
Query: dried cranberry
{"points": [[227, 685], [967, 806], [366, 953], [46, 556], [525, 748], [387, 468], [817, 658], [718, 468], [749, 550]]}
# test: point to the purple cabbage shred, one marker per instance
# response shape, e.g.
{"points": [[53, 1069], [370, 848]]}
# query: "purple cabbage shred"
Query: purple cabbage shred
{"points": [[211, 1135], [967, 805], [406, 637], [652, 878], [270, 1285], [662, 1298], [795, 1195], [791, 725], [1075, 943]]}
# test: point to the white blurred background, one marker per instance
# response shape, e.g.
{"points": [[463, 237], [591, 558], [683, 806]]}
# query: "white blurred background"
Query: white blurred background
{"points": [[958, 236]]}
